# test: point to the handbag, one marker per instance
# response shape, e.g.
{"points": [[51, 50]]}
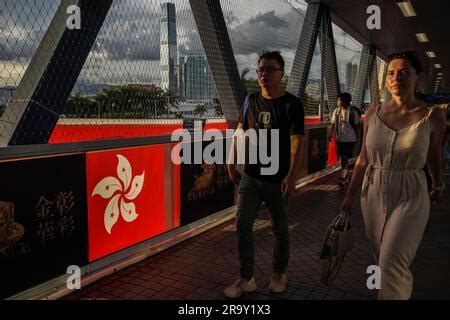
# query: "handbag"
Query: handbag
{"points": [[338, 240]]}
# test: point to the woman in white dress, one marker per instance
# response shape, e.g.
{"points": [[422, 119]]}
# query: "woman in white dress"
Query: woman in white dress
{"points": [[400, 137]]}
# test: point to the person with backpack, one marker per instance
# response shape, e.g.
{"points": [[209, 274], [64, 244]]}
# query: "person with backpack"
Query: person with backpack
{"points": [[344, 129], [278, 112]]}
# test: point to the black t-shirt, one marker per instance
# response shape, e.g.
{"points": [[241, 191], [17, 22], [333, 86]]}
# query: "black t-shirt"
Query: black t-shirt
{"points": [[285, 114]]}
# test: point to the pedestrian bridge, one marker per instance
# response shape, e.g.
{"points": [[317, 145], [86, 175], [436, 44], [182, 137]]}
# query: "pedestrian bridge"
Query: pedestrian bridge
{"points": [[91, 92]]}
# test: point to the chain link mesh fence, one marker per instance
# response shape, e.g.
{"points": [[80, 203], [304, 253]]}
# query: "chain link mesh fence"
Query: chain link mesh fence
{"points": [[144, 65], [348, 55], [255, 26], [23, 25], [147, 62]]}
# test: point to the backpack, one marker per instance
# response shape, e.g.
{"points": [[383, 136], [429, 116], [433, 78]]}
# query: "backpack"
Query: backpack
{"points": [[351, 119], [358, 110]]}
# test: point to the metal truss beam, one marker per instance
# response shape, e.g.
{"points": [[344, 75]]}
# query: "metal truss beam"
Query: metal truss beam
{"points": [[329, 63], [305, 50], [213, 32], [365, 69], [49, 79]]}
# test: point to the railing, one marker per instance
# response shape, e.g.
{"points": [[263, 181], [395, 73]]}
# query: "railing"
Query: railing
{"points": [[96, 204]]}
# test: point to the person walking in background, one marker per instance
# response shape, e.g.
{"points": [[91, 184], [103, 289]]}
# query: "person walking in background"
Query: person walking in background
{"points": [[344, 130], [400, 136], [274, 110]]}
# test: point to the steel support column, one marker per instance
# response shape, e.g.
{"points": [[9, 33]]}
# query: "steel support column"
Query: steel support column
{"points": [[49, 79], [305, 50], [329, 63], [368, 56], [219, 53], [373, 85]]}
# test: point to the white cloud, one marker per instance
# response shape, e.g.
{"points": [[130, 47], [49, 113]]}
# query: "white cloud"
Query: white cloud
{"points": [[127, 47]]}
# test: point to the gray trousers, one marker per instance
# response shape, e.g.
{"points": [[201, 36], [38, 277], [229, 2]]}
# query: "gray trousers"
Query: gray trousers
{"points": [[252, 192]]}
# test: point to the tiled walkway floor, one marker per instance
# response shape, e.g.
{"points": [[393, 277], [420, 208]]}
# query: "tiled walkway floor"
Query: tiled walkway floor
{"points": [[200, 268]]}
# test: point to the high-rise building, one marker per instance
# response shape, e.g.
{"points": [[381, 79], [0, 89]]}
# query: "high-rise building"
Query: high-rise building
{"points": [[198, 80], [312, 88], [351, 72], [169, 52], [182, 78], [381, 65]]}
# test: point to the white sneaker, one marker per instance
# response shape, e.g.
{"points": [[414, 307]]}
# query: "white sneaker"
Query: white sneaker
{"points": [[239, 287], [278, 282]]}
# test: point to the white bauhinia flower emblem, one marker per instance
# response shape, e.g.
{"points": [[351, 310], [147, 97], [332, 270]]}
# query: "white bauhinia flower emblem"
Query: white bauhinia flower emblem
{"points": [[127, 190]]}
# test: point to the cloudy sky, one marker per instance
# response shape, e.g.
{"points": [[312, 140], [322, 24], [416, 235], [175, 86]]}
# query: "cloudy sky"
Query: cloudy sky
{"points": [[127, 47]]}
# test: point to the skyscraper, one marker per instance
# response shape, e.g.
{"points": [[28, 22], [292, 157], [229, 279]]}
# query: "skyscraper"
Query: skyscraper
{"points": [[381, 73], [351, 72], [169, 53], [198, 80], [182, 78]]}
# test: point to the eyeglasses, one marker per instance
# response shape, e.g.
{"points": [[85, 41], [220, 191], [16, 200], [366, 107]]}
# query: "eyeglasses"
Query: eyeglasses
{"points": [[268, 70]]}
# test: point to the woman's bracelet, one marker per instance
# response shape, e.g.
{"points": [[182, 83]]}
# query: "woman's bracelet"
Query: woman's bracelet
{"points": [[440, 187]]}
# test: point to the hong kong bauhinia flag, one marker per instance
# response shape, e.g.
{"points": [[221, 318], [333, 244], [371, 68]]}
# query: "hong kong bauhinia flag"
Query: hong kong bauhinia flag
{"points": [[128, 199]]}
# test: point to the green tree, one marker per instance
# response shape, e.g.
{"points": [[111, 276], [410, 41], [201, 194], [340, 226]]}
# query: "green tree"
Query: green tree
{"points": [[251, 85], [123, 102], [128, 101], [171, 101], [244, 73], [200, 110], [179, 115], [80, 106], [217, 106]]}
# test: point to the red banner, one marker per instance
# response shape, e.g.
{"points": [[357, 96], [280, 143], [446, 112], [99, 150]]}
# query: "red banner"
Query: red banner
{"points": [[128, 199], [75, 133]]}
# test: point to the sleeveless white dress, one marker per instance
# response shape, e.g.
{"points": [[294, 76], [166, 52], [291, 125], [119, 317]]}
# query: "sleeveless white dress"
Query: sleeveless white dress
{"points": [[394, 199]]}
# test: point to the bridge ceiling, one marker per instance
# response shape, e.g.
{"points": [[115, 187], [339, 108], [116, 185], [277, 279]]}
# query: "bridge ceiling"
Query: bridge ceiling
{"points": [[398, 33]]}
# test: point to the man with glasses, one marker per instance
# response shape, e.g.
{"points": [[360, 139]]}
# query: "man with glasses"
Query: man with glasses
{"points": [[271, 109]]}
